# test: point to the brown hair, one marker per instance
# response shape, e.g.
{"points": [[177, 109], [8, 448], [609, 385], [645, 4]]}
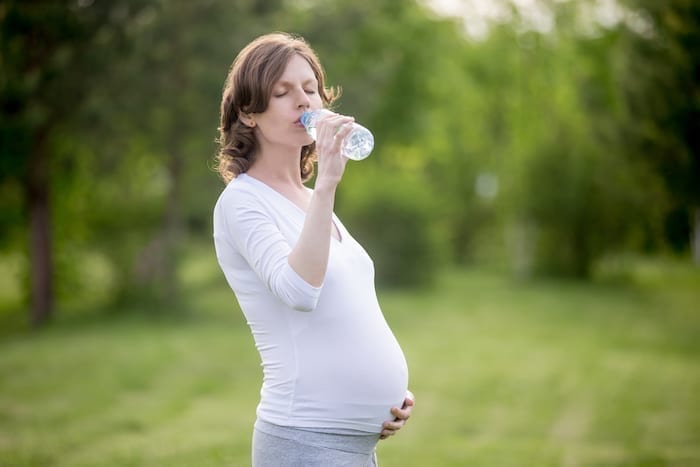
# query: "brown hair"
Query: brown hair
{"points": [[247, 90]]}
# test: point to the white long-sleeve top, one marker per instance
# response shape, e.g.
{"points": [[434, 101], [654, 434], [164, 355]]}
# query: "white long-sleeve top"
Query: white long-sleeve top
{"points": [[330, 361]]}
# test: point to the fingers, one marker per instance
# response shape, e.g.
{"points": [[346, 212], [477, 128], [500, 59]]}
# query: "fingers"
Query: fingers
{"points": [[342, 131], [331, 131], [389, 428], [331, 122], [394, 425], [409, 397], [404, 413]]}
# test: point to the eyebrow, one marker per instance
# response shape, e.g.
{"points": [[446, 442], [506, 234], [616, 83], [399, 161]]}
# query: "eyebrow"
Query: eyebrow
{"points": [[289, 83]]}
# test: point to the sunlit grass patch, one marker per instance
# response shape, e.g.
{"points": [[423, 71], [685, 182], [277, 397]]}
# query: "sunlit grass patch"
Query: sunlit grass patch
{"points": [[534, 373]]}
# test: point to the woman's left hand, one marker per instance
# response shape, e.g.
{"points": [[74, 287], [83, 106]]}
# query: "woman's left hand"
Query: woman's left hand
{"points": [[389, 428]]}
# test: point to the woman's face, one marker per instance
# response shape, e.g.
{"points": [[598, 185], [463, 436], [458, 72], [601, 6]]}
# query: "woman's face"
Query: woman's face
{"points": [[295, 92]]}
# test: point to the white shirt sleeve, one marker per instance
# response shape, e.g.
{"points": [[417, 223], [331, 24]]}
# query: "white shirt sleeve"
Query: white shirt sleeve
{"points": [[258, 239]]}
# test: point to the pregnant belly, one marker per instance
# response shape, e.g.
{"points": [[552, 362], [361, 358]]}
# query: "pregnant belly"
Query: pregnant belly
{"points": [[353, 382]]}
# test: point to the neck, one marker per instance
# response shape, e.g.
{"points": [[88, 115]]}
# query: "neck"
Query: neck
{"points": [[277, 166]]}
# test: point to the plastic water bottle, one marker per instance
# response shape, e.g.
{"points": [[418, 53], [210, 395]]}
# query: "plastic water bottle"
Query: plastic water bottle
{"points": [[357, 145]]}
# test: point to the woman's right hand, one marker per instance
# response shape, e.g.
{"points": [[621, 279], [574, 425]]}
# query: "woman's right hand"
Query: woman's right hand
{"points": [[331, 130], [309, 257]]}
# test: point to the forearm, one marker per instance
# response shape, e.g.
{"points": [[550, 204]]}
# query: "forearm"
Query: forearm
{"points": [[309, 257]]}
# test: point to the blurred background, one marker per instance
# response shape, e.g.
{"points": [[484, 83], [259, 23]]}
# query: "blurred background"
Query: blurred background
{"points": [[532, 205]]}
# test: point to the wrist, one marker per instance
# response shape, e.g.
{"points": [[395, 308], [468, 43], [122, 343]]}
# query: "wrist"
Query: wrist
{"points": [[325, 188]]}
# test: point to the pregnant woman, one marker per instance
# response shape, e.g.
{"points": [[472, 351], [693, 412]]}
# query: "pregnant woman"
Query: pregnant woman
{"points": [[334, 377]]}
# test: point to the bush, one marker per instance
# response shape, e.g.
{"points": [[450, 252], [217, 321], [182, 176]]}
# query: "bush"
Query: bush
{"points": [[582, 202], [394, 221]]}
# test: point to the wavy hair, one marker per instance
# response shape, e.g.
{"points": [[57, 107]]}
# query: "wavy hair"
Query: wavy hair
{"points": [[247, 90]]}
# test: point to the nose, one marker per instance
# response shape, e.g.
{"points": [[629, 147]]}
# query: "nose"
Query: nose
{"points": [[303, 101]]}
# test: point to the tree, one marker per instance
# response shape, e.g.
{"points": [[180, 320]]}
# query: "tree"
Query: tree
{"points": [[168, 91], [47, 49], [660, 81]]}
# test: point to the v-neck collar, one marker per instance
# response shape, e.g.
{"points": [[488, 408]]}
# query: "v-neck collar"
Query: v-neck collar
{"points": [[265, 186]]}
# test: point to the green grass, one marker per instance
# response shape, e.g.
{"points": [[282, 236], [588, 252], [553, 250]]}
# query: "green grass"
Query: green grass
{"points": [[540, 373]]}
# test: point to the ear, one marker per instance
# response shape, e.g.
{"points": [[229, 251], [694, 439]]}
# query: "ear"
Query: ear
{"points": [[247, 119]]}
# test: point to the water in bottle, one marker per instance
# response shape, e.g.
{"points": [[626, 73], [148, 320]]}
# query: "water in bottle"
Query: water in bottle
{"points": [[357, 145]]}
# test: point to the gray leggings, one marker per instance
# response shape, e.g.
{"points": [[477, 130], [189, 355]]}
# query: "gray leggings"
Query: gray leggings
{"points": [[280, 446]]}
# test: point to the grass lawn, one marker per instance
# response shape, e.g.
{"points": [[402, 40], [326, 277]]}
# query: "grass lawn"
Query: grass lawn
{"points": [[540, 373]]}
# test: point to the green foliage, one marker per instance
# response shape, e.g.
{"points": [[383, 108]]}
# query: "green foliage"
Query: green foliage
{"points": [[47, 49], [661, 93], [569, 193], [394, 219], [584, 155]]}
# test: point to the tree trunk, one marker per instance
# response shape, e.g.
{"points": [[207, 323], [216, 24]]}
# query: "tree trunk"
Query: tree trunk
{"points": [[157, 263], [173, 228], [38, 204], [695, 234]]}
